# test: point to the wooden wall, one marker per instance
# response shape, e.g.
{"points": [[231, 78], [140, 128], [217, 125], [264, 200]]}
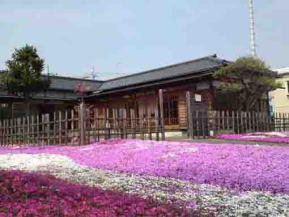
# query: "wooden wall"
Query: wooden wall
{"points": [[148, 104]]}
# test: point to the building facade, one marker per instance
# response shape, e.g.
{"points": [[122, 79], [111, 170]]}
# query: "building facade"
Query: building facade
{"points": [[60, 95], [279, 99], [137, 95]]}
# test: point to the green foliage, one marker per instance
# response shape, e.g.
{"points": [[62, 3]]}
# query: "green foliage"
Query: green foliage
{"points": [[249, 79], [23, 77]]}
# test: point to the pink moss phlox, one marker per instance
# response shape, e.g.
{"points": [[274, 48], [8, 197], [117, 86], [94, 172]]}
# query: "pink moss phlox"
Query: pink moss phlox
{"points": [[240, 167], [27, 194]]}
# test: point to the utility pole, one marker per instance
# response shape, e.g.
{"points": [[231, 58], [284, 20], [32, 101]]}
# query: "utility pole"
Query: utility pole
{"points": [[252, 29]]}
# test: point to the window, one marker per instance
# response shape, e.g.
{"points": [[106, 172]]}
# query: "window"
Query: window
{"points": [[3, 105], [288, 86], [171, 113]]}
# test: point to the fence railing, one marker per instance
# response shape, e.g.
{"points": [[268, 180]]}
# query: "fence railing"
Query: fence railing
{"points": [[203, 123], [75, 127]]}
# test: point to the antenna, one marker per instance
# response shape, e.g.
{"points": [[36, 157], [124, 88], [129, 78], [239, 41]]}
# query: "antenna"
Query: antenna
{"points": [[47, 69], [252, 29], [93, 73]]}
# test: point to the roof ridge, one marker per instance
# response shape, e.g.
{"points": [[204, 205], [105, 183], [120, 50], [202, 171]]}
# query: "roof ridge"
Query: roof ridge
{"points": [[214, 56], [70, 78]]}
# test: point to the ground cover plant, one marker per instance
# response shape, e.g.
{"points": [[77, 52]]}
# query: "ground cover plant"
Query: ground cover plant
{"points": [[26, 194], [226, 180], [272, 137]]}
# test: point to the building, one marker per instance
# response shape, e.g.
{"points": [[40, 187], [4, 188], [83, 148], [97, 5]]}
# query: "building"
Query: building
{"points": [[279, 99], [137, 95], [60, 95]]}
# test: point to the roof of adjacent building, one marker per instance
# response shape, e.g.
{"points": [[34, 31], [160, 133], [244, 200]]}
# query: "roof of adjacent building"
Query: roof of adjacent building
{"points": [[282, 71], [69, 83], [167, 72]]}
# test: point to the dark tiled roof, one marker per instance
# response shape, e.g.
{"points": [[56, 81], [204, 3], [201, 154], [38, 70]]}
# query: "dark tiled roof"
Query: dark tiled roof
{"points": [[69, 84], [60, 83], [172, 71]]}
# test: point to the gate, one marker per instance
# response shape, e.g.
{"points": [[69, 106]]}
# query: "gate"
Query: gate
{"points": [[198, 118]]}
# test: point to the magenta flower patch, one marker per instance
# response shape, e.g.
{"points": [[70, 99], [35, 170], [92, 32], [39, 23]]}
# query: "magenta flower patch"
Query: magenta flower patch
{"points": [[240, 167], [27, 194]]}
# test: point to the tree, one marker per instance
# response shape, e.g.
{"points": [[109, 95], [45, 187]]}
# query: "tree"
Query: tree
{"points": [[23, 75], [246, 81]]}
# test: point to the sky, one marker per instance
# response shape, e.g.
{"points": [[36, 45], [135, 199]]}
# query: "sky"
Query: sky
{"points": [[119, 37]]}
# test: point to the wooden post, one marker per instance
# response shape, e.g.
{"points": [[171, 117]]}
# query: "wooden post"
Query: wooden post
{"points": [[66, 127], [125, 122], [33, 129], [1, 133], [198, 124], [157, 123], [37, 130], [54, 129], [134, 125], [227, 120], [189, 115], [161, 113], [73, 134], [47, 121], [97, 124], [11, 131], [204, 121], [23, 130], [149, 128], [233, 121], [82, 123], [249, 121], [223, 120], [60, 127], [28, 135]]}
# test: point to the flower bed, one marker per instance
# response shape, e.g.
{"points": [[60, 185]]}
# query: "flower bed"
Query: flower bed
{"points": [[272, 137], [238, 167], [26, 194], [200, 199]]}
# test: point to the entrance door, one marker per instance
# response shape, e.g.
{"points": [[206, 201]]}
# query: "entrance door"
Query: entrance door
{"points": [[171, 114]]}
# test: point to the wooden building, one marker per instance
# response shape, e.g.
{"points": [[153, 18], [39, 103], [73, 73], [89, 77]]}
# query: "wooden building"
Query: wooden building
{"points": [[60, 95], [136, 95]]}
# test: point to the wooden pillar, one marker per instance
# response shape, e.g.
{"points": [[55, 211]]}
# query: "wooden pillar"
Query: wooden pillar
{"points": [[82, 123], [161, 113], [189, 116]]}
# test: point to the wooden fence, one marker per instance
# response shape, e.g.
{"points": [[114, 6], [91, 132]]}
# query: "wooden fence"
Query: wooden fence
{"points": [[75, 127], [204, 123]]}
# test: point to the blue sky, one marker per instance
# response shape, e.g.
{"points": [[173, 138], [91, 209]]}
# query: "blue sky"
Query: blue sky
{"points": [[129, 36]]}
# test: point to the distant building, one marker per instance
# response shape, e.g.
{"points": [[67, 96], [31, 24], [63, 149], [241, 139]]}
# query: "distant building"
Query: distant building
{"points": [[60, 95], [279, 99]]}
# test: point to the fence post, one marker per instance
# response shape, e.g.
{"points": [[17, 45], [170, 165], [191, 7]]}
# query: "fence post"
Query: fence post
{"points": [[82, 123], [161, 105]]}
